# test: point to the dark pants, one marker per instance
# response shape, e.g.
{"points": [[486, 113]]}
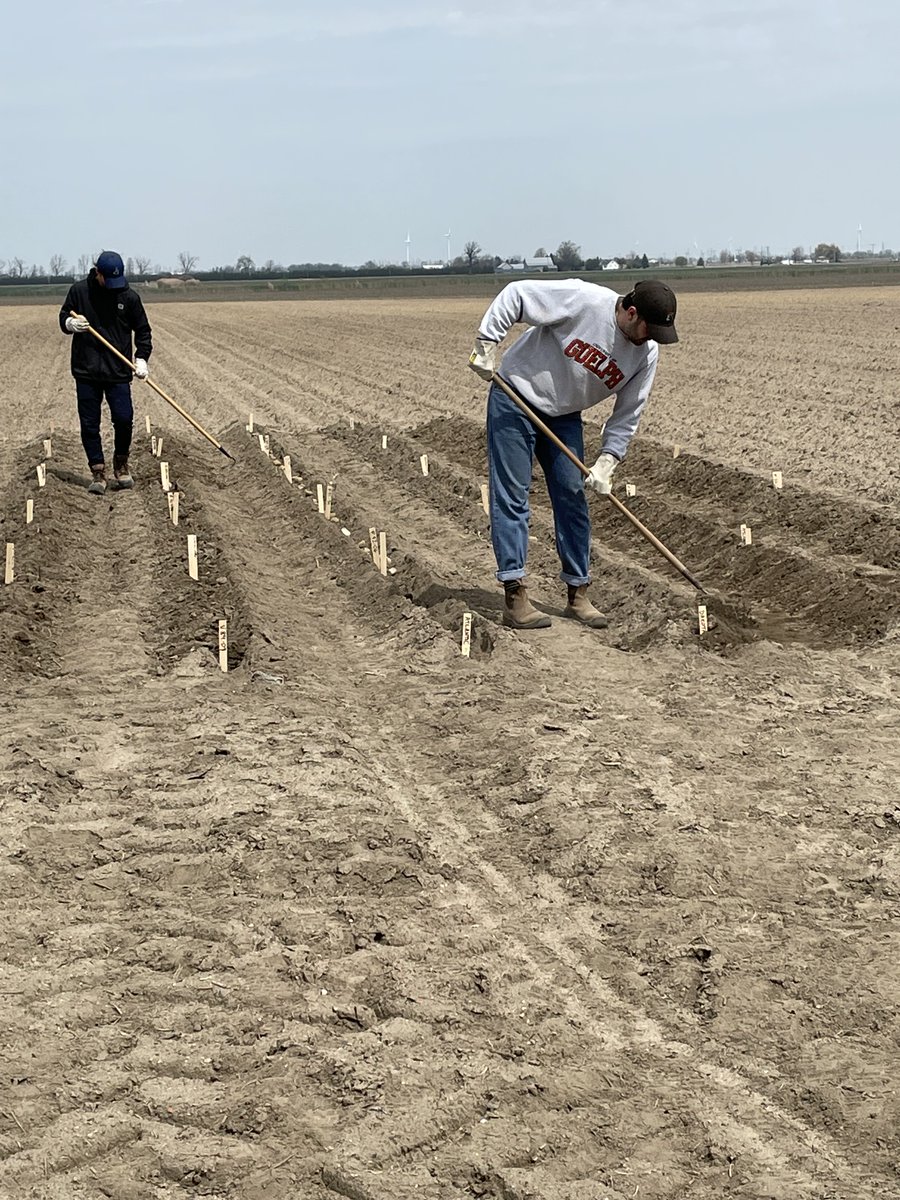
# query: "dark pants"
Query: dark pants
{"points": [[90, 406]]}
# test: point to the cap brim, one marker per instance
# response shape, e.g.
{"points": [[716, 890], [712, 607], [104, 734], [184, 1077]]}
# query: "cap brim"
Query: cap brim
{"points": [[118, 281], [665, 335]]}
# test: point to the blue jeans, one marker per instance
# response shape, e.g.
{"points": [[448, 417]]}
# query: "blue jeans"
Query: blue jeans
{"points": [[90, 404], [513, 444]]}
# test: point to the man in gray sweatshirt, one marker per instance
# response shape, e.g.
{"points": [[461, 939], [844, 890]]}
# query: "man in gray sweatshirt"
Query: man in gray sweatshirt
{"points": [[585, 344]]}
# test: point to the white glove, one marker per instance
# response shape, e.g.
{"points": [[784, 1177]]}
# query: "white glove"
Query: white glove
{"points": [[141, 369], [77, 324], [600, 478], [482, 360]]}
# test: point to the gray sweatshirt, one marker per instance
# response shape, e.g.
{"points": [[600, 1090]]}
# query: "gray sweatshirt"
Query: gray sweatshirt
{"points": [[574, 355]]}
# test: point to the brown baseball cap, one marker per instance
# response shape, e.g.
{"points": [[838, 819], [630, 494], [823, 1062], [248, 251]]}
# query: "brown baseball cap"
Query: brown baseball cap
{"points": [[655, 302]]}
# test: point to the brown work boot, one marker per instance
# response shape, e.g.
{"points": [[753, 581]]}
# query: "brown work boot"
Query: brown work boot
{"points": [[98, 479], [580, 609], [518, 611], [121, 472]]}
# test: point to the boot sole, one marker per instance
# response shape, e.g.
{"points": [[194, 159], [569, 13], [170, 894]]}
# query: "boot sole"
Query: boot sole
{"points": [[542, 622], [598, 622], [124, 483], [96, 490]]}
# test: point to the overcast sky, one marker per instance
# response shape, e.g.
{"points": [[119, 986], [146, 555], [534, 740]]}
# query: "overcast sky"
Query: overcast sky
{"points": [[328, 131]]}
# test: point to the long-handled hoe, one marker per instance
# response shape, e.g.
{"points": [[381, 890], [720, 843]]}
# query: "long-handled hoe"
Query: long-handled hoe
{"points": [[168, 399], [639, 526]]}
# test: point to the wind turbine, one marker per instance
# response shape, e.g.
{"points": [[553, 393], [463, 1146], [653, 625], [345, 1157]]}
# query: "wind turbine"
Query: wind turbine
{"points": [[407, 247], [448, 247]]}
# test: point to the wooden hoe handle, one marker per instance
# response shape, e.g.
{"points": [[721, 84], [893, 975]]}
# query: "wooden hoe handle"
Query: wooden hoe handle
{"points": [[168, 399], [639, 526]]}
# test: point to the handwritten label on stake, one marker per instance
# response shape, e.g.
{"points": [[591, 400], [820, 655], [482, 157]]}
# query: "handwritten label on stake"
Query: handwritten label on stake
{"points": [[267, 445], [164, 476], [286, 467], [329, 499], [9, 573], [777, 479], [193, 562], [485, 500], [48, 450], [159, 447], [172, 498], [320, 497], [467, 634], [382, 552], [702, 619], [41, 474], [29, 511], [223, 645], [630, 489], [153, 444], [423, 460], [373, 543], [746, 535]]}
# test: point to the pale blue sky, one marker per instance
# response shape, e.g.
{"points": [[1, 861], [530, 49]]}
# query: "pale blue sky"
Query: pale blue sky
{"points": [[299, 131]]}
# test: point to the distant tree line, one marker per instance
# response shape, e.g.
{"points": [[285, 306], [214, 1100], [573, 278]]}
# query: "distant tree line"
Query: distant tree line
{"points": [[567, 257]]}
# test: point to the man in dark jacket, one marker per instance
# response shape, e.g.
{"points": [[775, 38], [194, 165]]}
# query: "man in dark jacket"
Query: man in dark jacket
{"points": [[105, 302]]}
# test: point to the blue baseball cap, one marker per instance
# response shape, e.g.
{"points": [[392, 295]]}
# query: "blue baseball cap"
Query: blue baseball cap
{"points": [[111, 267]]}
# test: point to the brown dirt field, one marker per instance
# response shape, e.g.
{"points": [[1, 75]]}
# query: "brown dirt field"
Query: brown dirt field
{"points": [[587, 916]]}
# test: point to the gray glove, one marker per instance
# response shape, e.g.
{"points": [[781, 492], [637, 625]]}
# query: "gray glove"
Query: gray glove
{"points": [[600, 478], [483, 359], [141, 369], [77, 324]]}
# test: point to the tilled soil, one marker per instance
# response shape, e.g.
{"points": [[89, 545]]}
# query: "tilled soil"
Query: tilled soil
{"points": [[583, 916]]}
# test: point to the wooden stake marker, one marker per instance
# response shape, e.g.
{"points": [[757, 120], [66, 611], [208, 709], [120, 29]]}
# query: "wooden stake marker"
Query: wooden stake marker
{"points": [[193, 562], [250, 423], [384, 441], [467, 634], [41, 471], [777, 480], [159, 442], [702, 619], [485, 499], [153, 444], [267, 445], [164, 476], [329, 500], [373, 543], [382, 552], [423, 460], [147, 423], [9, 573], [286, 467], [630, 489], [29, 511], [262, 443], [172, 500], [223, 645], [48, 451], [676, 450], [320, 497], [746, 535]]}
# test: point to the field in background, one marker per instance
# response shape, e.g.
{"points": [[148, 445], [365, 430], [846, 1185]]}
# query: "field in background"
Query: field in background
{"points": [[435, 286], [585, 916]]}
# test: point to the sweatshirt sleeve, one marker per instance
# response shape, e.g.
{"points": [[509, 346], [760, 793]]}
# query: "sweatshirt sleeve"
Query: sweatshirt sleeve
{"points": [[630, 400], [529, 302], [143, 344]]}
